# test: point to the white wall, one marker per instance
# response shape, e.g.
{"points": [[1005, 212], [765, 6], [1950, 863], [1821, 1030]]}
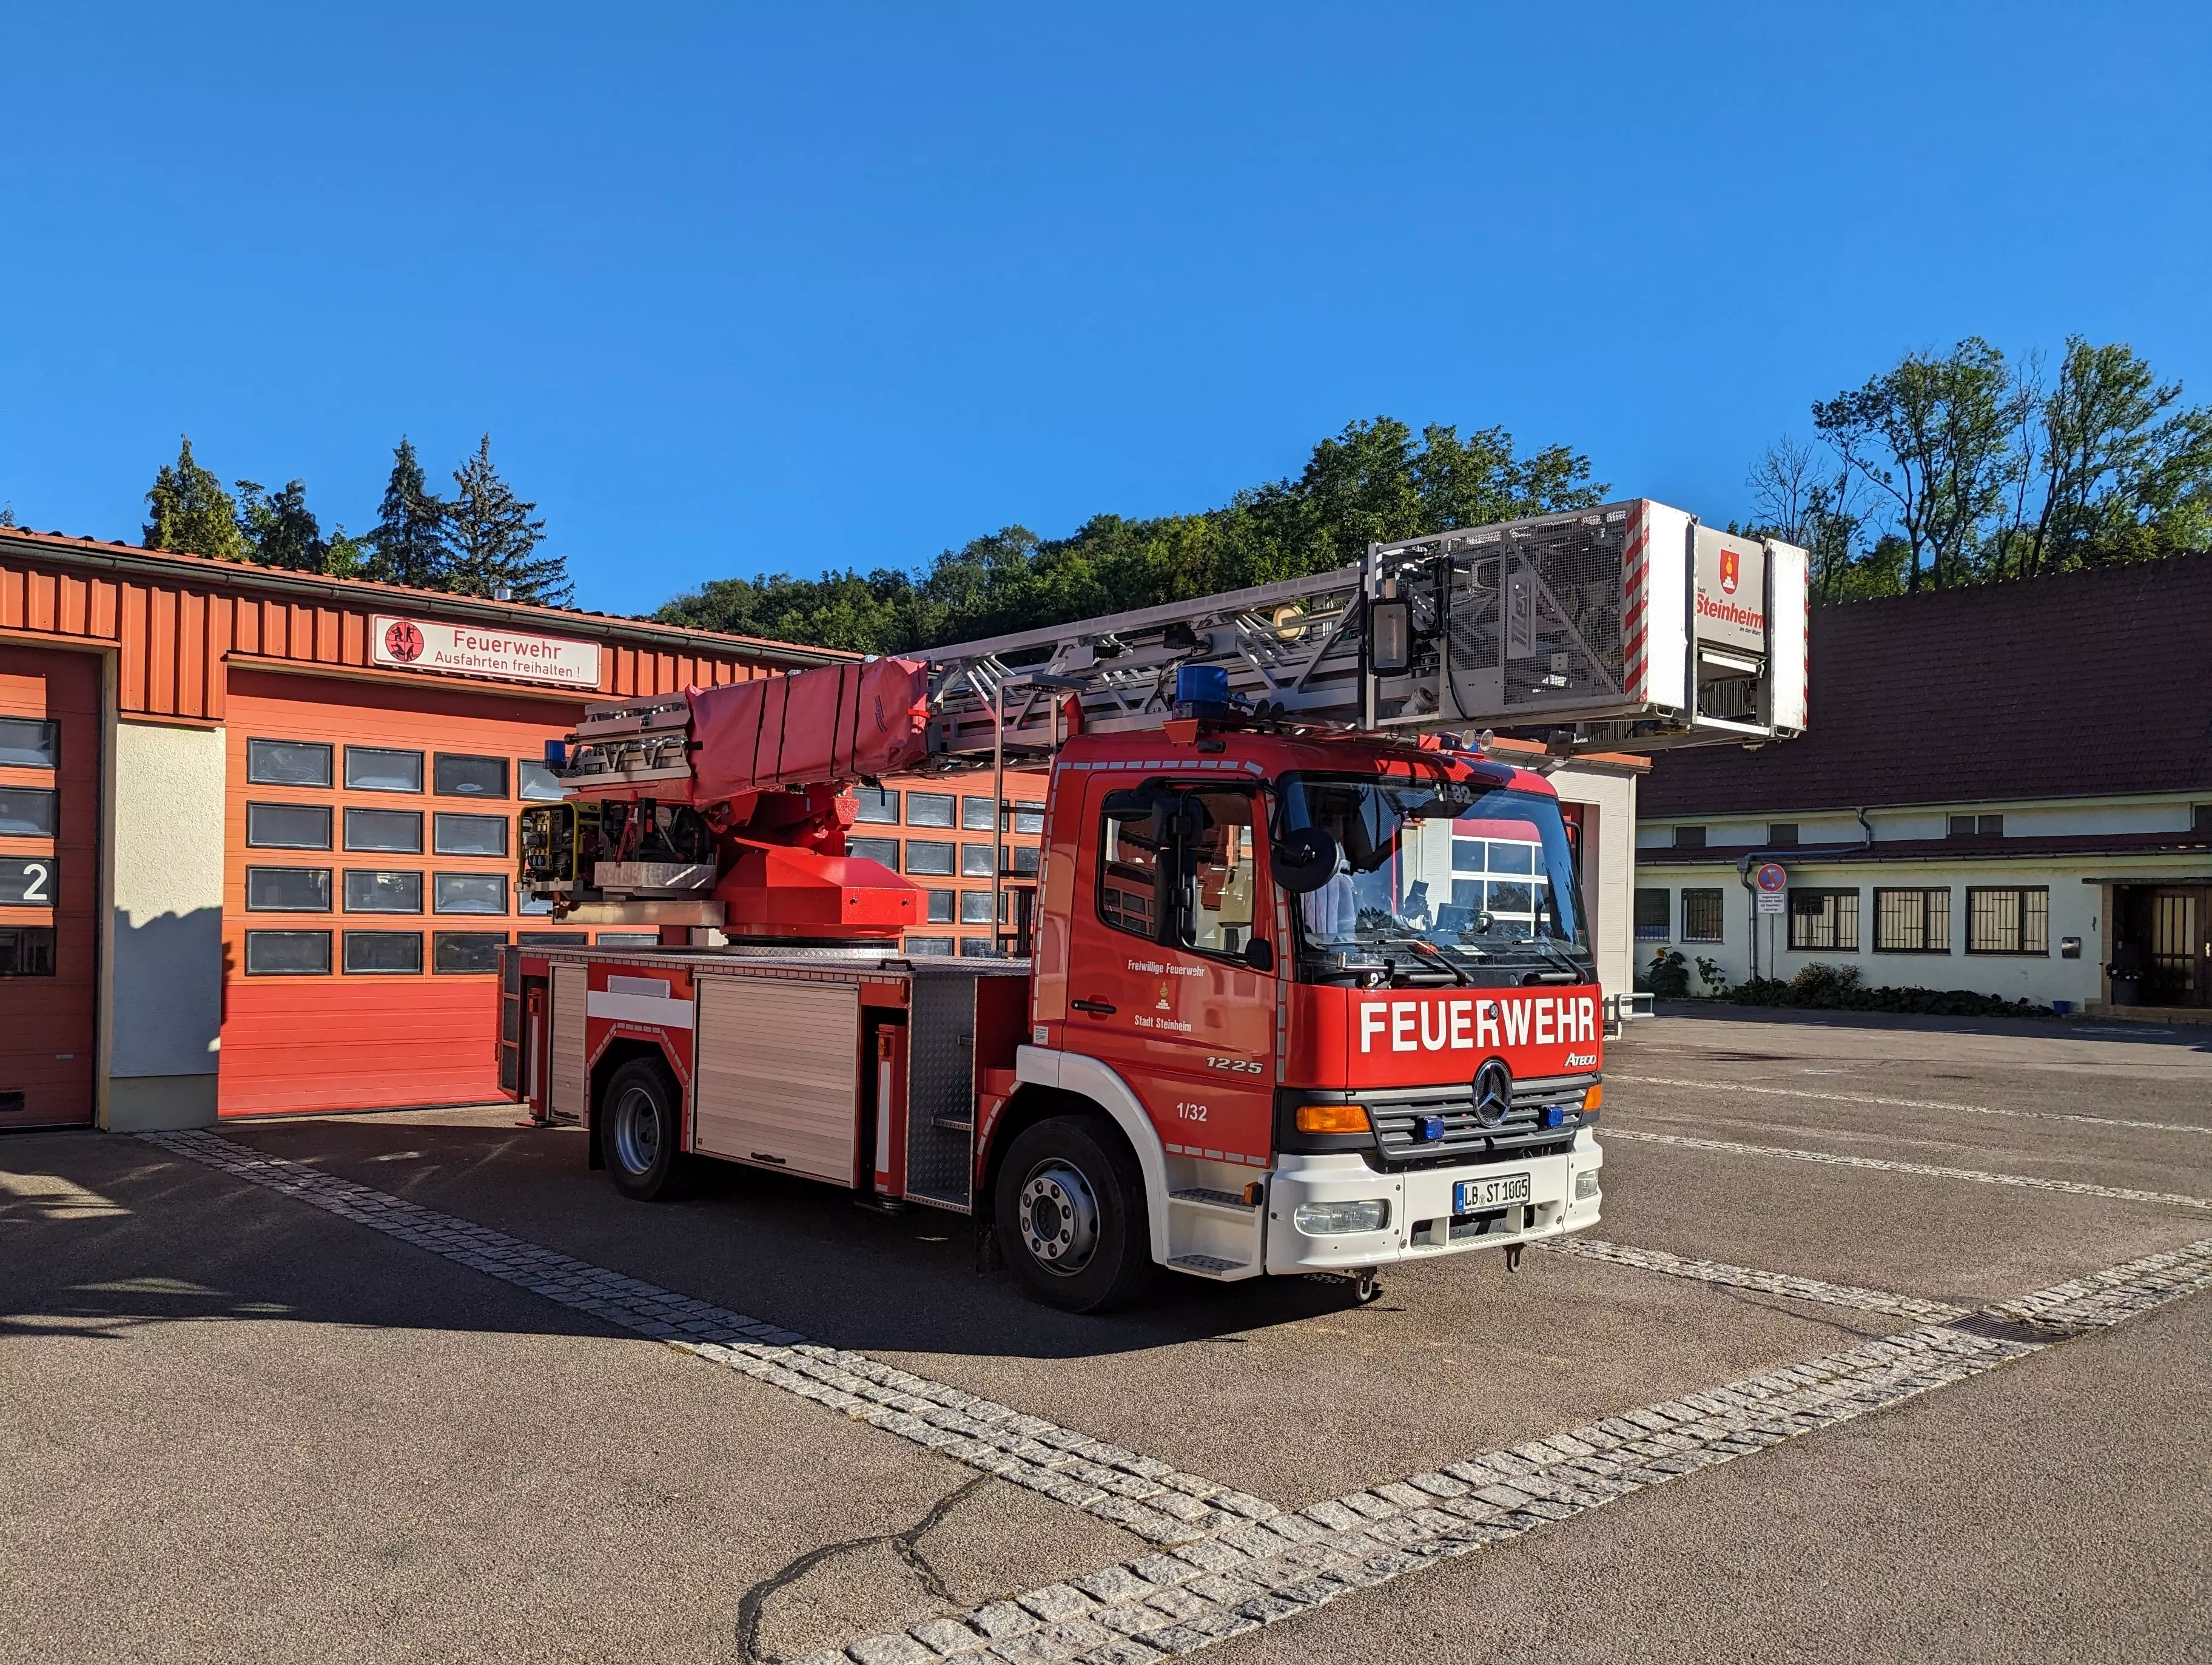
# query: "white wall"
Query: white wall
{"points": [[166, 957], [1609, 880], [2075, 911]]}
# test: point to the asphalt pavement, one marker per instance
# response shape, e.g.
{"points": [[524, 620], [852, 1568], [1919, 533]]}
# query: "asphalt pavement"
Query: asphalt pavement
{"points": [[242, 1427]]}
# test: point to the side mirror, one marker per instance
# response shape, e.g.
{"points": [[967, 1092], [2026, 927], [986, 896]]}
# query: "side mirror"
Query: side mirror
{"points": [[1260, 954], [1305, 859]]}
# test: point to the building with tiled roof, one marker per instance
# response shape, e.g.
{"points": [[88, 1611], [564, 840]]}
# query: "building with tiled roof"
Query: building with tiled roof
{"points": [[2006, 788]]}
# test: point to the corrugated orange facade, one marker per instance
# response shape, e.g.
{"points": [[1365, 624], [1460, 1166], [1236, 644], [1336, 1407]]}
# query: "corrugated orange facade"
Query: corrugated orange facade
{"points": [[285, 657], [176, 621]]}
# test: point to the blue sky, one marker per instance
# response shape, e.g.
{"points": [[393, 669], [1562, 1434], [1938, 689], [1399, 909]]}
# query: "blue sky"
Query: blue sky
{"points": [[735, 289]]}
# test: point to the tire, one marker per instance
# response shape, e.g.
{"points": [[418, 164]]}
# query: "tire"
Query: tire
{"points": [[1069, 1207], [641, 1131]]}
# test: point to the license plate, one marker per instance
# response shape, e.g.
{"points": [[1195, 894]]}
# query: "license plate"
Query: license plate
{"points": [[1472, 1196]]}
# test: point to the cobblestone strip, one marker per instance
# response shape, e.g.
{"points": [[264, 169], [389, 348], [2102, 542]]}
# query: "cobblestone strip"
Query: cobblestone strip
{"points": [[2118, 1294], [1908, 1103], [1168, 1604], [1150, 1499], [2074, 1187], [1911, 1306]]}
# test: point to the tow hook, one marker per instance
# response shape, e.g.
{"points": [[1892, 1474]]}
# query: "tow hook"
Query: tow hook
{"points": [[1369, 1287], [1513, 1257]]}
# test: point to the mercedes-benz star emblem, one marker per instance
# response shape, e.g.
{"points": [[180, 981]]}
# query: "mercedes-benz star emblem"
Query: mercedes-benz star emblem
{"points": [[1493, 1093]]}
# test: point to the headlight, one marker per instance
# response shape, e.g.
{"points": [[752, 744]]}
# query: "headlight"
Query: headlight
{"points": [[1323, 1219], [1586, 1184]]}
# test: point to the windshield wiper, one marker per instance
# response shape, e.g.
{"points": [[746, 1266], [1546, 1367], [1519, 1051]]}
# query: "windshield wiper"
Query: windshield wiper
{"points": [[1428, 950], [1565, 963]]}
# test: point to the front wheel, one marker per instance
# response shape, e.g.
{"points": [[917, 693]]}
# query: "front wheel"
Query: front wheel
{"points": [[640, 1130], [1070, 1212]]}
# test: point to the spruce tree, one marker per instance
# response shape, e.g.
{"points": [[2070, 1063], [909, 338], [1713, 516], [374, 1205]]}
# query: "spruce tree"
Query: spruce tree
{"points": [[279, 528], [495, 539], [191, 513], [408, 543]]}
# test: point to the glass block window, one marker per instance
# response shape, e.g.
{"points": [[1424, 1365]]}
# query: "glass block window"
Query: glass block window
{"points": [[978, 948], [543, 939], [1824, 920], [30, 812], [469, 893], [288, 890], [628, 939], [979, 815], [1655, 914], [383, 953], [382, 890], [878, 807], [26, 950], [2008, 920], [1019, 858], [280, 826], [929, 809], [466, 950], [1914, 921], [1702, 913], [928, 855], [287, 953], [940, 906], [1029, 817], [974, 908], [288, 763], [469, 834], [535, 780], [456, 776], [885, 850], [975, 861], [398, 831], [30, 743], [380, 769], [926, 947]]}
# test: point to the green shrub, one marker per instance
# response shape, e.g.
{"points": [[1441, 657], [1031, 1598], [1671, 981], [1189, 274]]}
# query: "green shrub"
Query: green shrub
{"points": [[1824, 988]]}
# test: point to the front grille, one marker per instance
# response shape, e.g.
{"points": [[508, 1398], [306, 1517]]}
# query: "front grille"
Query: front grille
{"points": [[1522, 1134]]}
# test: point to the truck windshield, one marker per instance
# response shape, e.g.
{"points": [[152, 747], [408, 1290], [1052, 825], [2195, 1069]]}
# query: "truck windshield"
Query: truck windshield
{"points": [[1439, 881]]}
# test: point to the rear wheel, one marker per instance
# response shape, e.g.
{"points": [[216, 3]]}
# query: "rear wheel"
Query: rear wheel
{"points": [[640, 1130], [1070, 1212]]}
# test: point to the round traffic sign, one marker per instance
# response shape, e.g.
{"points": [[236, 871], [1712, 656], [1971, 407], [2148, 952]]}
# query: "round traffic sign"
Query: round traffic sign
{"points": [[1771, 876]]}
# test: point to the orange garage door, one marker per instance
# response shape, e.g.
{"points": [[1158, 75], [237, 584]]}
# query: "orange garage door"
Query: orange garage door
{"points": [[49, 884], [368, 883]]}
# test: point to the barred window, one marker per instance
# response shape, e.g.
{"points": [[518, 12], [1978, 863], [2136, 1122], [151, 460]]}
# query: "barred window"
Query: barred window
{"points": [[2011, 919], [1825, 920], [1655, 914], [1912, 922], [1701, 916]]}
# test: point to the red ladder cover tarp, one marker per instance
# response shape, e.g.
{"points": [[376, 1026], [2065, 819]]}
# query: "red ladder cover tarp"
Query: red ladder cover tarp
{"points": [[833, 723]]}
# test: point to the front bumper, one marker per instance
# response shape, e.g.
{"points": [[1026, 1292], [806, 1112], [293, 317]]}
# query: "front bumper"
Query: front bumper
{"points": [[1421, 1223]]}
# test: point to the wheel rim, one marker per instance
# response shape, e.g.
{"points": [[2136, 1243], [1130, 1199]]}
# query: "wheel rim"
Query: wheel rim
{"points": [[637, 1131], [1058, 1218]]}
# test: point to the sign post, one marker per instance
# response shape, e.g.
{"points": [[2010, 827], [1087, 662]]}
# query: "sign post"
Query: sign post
{"points": [[1772, 879]]}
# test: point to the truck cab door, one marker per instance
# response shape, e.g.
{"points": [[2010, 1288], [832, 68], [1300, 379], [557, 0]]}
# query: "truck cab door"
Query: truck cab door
{"points": [[1166, 984]]}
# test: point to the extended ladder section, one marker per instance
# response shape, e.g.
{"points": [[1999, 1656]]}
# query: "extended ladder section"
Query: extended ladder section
{"points": [[1630, 625], [1627, 625]]}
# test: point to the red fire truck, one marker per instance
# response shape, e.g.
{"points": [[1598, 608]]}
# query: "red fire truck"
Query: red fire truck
{"points": [[1305, 983]]}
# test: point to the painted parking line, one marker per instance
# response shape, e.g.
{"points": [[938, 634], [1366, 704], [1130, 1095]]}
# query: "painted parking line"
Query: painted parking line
{"points": [[1912, 1308], [1165, 1605], [1926, 1171], [1152, 1499], [1908, 1103]]}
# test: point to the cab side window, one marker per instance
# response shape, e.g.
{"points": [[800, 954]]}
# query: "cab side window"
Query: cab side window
{"points": [[1128, 873], [1222, 875], [1213, 895]]}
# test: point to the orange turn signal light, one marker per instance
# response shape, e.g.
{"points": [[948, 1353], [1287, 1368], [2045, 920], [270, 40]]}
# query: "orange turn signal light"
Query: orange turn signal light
{"points": [[1332, 1118], [1594, 1097]]}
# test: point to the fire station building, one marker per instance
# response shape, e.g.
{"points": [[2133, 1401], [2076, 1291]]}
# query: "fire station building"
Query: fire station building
{"points": [[258, 829]]}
